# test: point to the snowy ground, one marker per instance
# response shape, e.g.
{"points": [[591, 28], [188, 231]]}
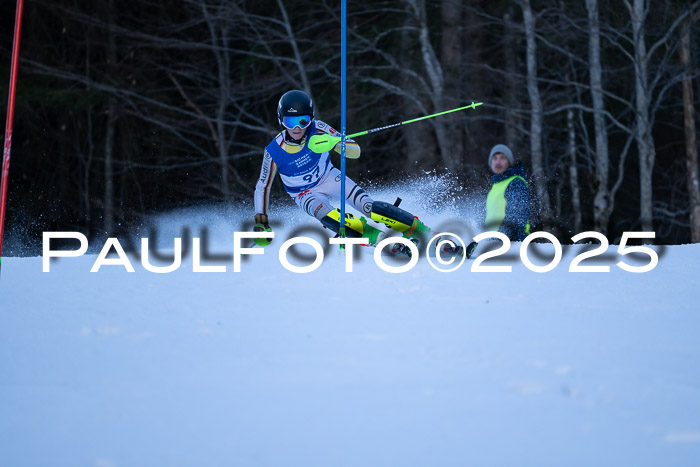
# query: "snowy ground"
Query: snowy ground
{"points": [[270, 368]]}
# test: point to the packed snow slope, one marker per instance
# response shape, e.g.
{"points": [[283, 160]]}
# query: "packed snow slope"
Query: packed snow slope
{"points": [[267, 367]]}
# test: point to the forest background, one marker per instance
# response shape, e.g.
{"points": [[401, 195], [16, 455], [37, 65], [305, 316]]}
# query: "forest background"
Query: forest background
{"points": [[127, 108]]}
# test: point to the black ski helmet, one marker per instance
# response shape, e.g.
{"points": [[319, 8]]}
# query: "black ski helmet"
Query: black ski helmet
{"points": [[294, 103]]}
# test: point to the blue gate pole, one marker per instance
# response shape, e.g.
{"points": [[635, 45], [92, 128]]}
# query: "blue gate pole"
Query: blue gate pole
{"points": [[343, 66]]}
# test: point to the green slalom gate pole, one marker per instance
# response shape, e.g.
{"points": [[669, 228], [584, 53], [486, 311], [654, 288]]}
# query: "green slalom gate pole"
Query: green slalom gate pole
{"points": [[326, 142]]}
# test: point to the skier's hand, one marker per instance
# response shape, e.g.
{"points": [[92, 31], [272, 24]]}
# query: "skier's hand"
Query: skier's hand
{"points": [[262, 225], [351, 152], [324, 142], [262, 221]]}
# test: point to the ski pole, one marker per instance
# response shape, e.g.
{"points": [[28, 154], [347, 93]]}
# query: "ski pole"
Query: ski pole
{"points": [[324, 142]]}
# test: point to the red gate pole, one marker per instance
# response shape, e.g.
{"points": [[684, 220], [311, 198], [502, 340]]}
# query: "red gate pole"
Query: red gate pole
{"points": [[10, 119]]}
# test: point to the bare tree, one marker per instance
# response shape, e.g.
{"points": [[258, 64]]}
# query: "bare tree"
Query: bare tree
{"points": [[451, 57], [428, 156], [184, 108], [650, 90], [111, 125], [512, 119], [691, 149], [536, 116], [645, 141], [573, 171], [433, 70], [298, 59], [602, 203]]}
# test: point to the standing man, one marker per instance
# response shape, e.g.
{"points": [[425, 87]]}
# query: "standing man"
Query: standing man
{"points": [[508, 201]]}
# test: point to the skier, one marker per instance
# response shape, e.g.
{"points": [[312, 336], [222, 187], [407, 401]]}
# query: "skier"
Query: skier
{"points": [[508, 201], [311, 179]]}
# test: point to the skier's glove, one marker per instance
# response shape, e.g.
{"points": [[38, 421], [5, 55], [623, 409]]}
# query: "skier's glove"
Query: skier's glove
{"points": [[262, 225]]}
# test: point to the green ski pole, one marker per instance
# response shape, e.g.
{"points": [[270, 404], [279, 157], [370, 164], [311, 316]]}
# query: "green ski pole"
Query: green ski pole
{"points": [[325, 142]]}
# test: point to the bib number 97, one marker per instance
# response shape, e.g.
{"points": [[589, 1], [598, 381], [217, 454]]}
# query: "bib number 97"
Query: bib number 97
{"points": [[310, 177]]}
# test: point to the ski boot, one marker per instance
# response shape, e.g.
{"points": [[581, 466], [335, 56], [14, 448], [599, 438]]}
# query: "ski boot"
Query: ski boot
{"points": [[354, 227], [402, 249], [459, 250], [398, 220], [401, 221]]}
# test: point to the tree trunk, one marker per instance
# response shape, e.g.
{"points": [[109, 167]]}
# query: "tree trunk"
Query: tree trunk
{"points": [[601, 201], [573, 172], [512, 121], [643, 136], [536, 118], [419, 147], [224, 98], [217, 35], [691, 148], [87, 195], [437, 83], [109, 169], [295, 48], [108, 209], [451, 61]]}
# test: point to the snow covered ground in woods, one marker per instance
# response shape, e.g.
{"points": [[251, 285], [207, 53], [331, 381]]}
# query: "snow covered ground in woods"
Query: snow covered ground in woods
{"points": [[271, 368]]}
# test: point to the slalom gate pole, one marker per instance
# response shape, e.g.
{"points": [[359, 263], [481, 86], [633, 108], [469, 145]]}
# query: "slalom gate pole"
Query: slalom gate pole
{"points": [[343, 70], [10, 119]]}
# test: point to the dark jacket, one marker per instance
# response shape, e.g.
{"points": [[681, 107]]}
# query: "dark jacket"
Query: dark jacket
{"points": [[517, 203]]}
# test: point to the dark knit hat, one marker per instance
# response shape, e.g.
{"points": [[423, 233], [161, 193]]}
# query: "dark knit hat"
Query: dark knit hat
{"points": [[502, 148]]}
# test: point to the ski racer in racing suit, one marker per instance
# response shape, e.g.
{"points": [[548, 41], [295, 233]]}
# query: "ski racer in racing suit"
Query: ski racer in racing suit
{"points": [[312, 181]]}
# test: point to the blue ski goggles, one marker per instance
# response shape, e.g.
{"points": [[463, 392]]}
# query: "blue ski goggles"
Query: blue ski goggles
{"points": [[302, 121]]}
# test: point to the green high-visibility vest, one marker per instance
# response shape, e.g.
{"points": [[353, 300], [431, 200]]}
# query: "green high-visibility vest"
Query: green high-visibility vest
{"points": [[496, 205]]}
